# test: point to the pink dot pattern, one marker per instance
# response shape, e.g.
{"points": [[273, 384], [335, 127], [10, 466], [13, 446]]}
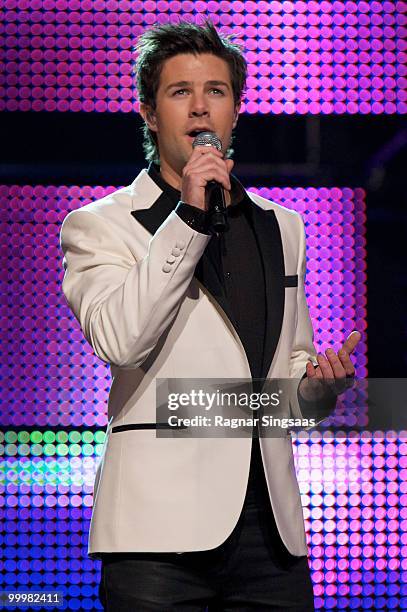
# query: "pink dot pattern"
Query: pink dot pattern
{"points": [[335, 224], [353, 493], [353, 489], [303, 57], [53, 377]]}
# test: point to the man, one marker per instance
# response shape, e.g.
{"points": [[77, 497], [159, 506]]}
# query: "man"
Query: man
{"points": [[159, 296]]}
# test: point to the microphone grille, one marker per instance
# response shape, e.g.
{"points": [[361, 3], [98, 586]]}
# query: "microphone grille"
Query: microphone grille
{"points": [[207, 139]]}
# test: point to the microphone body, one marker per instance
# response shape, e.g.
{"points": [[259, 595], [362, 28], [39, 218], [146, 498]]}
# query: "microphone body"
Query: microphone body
{"points": [[214, 194]]}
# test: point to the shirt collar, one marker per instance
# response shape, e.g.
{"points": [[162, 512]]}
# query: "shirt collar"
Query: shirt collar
{"points": [[238, 193]]}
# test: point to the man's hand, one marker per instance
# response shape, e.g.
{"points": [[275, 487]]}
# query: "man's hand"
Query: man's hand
{"points": [[205, 164], [335, 373]]}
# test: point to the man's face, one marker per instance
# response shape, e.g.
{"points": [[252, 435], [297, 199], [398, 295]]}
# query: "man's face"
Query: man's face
{"points": [[194, 93]]}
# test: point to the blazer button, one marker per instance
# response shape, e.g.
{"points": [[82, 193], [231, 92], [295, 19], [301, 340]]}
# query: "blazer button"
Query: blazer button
{"points": [[167, 267], [170, 259], [175, 251], [180, 244]]}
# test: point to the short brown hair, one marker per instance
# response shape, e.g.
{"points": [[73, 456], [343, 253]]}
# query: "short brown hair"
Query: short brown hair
{"points": [[163, 41]]}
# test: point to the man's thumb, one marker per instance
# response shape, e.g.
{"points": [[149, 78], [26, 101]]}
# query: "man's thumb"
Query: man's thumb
{"points": [[230, 163]]}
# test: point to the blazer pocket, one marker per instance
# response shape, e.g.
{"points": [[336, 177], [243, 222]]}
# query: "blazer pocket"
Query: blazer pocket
{"points": [[291, 280], [133, 426]]}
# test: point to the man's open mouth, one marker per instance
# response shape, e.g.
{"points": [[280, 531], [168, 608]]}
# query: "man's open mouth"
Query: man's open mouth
{"points": [[194, 133]]}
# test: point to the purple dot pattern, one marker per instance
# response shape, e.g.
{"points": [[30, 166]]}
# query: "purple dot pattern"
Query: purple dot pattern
{"points": [[354, 503], [335, 226], [353, 495], [46, 496], [53, 377], [353, 490], [337, 57]]}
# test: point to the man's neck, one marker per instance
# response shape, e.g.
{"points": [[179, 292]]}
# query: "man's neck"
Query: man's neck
{"points": [[170, 176]]}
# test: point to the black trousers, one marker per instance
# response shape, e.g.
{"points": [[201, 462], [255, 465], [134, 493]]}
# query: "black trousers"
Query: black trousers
{"points": [[251, 570]]}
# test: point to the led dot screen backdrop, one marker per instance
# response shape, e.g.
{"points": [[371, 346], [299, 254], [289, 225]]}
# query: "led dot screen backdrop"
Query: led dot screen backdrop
{"points": [[304, 57], [53, 412], [353, 494], [53, 377]]}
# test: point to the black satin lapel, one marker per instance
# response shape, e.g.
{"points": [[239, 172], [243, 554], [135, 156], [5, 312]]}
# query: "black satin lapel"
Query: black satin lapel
{"points": [[151, 218], [207, 274], [268, 233]]}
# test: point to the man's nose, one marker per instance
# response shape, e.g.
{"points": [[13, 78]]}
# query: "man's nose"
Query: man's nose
{"points": [[199, 107]]}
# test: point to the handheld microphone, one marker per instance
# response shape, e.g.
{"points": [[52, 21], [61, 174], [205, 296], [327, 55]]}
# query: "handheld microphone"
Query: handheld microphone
{"points": [[214, 194]]}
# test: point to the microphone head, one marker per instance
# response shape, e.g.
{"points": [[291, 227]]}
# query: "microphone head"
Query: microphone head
{"points": [[207, 139]]}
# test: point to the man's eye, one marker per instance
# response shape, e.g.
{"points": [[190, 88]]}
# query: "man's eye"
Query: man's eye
{"points": [[217, 91], [179, 91]]}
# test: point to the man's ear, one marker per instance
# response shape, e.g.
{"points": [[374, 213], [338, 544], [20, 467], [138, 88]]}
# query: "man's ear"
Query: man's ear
{"points": [[149, 116], [236, 115]]}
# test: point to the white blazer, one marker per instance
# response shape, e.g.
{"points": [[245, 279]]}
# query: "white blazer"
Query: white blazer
{"points": [[129, 280]]}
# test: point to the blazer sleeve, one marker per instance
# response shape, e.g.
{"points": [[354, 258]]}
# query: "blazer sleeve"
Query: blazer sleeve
{"points": [[303, 347], [123, 305], [304, 350]]}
